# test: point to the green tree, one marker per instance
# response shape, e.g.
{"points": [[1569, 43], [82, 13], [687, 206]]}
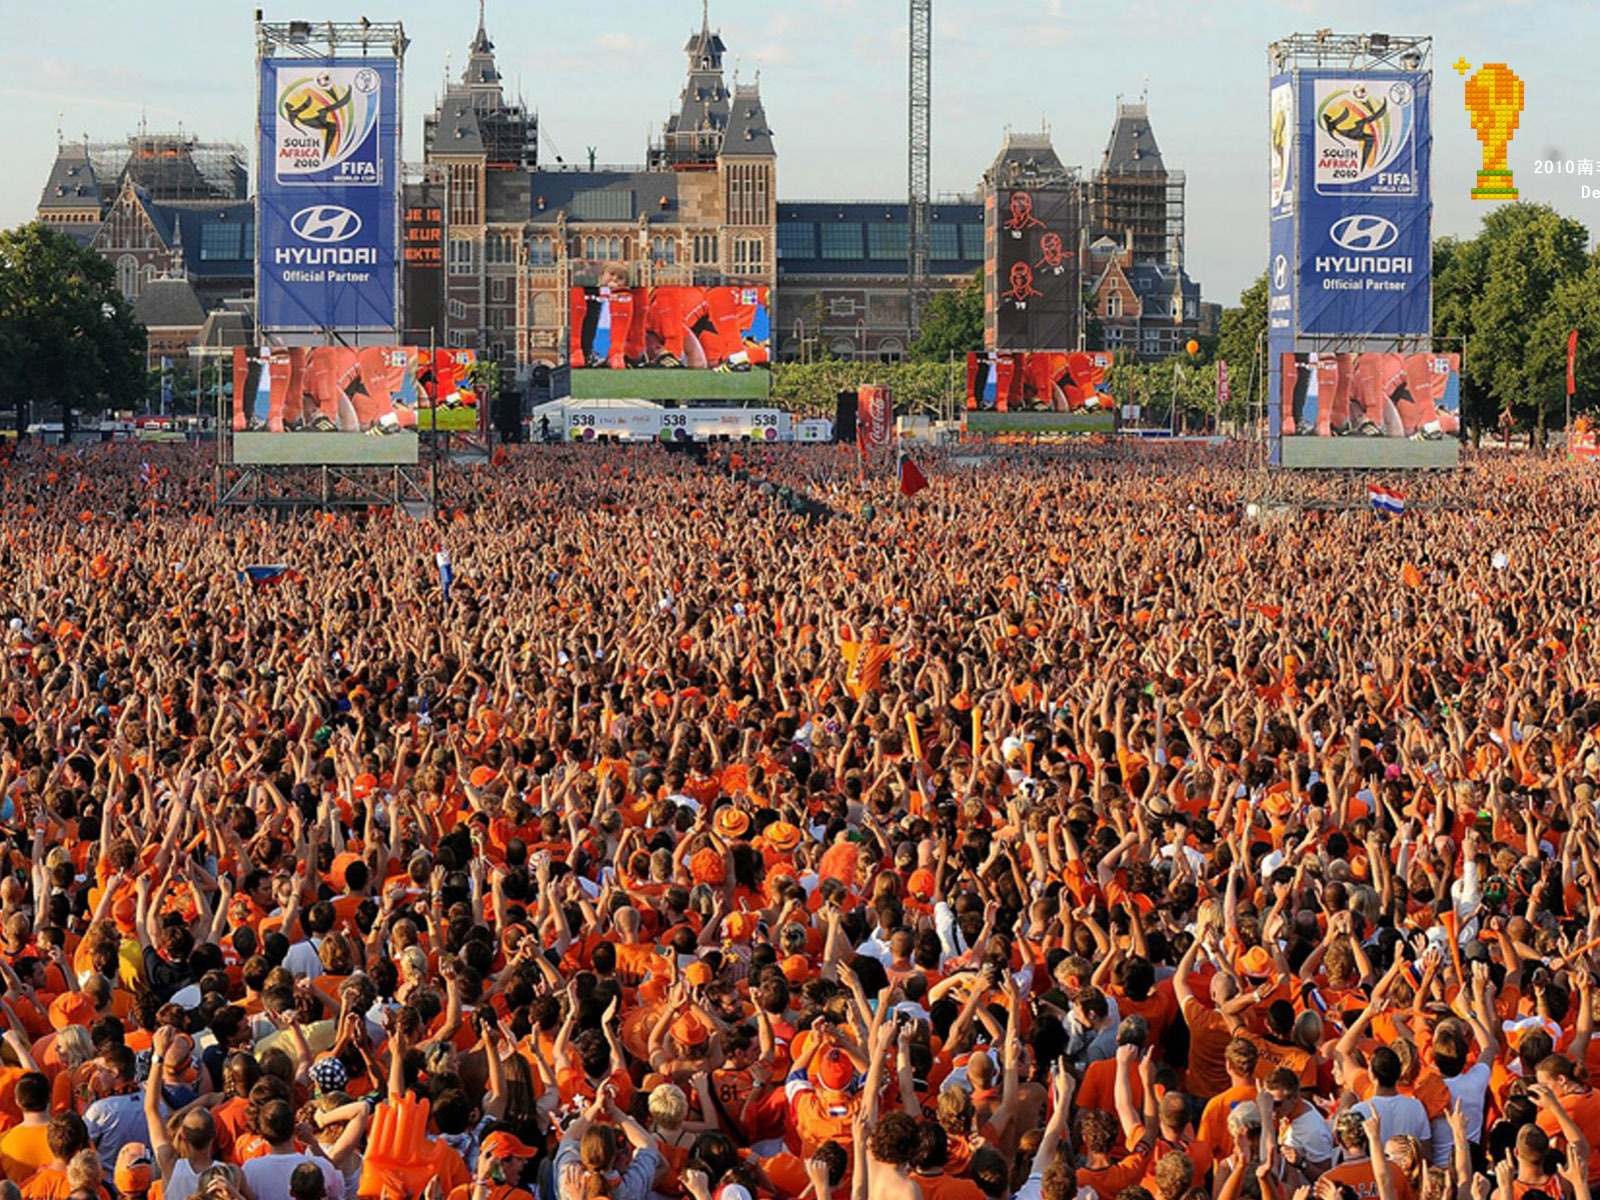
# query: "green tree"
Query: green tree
{"points": [[67, 336], [1575, 304], [1459, 268], [952, 324], [1531, 250], [1240, 334]]}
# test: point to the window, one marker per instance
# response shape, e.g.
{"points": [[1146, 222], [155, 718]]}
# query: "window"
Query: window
{"points": [[497, 290], [463, 257], [457, 310], [1114, 304], [603, 204], [464, 195], [887, 242], [664, 250], [972, 242], [797, 239], [608, 249], [500, 248], [842, 348], [944, 242], [749, 256], [705, 248], [890, 351], [541, 252], [497, 350], [128, 276], [219, 242], [457, 339], [841, 240]]}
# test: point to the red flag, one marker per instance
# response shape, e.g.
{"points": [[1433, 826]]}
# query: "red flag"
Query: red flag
{"points": [[912, 480], [1572, 362]]}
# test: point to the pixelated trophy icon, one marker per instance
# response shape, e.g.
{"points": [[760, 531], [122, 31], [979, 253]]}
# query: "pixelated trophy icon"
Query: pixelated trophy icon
{"points": [[1494, 100]]}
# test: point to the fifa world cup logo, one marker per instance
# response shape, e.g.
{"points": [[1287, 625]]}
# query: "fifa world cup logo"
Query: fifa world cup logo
{"points": [[1494, 98]]}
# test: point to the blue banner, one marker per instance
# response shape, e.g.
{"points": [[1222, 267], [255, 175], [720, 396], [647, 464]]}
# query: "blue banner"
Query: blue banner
{"points": [[328, 183], [1362, 204]]}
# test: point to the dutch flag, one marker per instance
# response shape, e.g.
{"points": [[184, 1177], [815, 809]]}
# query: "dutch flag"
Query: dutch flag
{"points": [[1385, 500]]}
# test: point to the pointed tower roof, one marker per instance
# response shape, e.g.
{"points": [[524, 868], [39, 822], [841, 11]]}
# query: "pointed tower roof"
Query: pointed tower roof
{"points": [[1132, 148], [481, 75], [747, 134]]}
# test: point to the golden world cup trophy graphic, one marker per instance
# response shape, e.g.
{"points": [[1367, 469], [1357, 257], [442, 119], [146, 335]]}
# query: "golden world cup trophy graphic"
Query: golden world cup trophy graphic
{"points": [[1494, 98]]}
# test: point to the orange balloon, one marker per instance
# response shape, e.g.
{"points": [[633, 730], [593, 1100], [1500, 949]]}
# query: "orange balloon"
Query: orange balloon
{"points": [[1193, 347]]}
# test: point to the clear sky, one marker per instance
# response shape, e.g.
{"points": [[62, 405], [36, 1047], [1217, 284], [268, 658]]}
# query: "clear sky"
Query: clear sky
{"points": [[606, 72]]}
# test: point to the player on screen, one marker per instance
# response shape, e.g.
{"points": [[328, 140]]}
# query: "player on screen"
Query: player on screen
{"points": [[605, 324], [1398, 394], [354, 390]]}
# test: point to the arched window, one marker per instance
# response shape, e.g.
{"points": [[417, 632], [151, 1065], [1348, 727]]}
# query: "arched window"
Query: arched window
{"points": [[128, 276]]}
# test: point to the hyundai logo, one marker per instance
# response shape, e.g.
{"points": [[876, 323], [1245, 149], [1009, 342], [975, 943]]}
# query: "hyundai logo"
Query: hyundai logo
{"points": [[325, 223], [1364, 234], [1280, 273]]}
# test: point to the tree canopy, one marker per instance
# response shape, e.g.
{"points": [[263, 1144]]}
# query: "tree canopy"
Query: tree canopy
{"points": [[67, 335]]}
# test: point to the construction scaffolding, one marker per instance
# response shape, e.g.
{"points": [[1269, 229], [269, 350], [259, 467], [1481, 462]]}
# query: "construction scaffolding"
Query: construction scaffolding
{"points": [[172, 166]]}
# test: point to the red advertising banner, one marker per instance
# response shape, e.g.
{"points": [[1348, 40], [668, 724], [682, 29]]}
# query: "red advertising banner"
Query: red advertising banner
{"points": [[875, 416], [1572, 362]]}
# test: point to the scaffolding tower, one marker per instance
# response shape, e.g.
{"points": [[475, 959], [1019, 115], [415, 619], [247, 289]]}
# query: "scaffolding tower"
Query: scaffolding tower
{"points": [[919, 233], [173, 166]]}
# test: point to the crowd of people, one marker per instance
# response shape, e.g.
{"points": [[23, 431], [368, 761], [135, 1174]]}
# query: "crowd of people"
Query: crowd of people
{"points": [[1094, 825]]}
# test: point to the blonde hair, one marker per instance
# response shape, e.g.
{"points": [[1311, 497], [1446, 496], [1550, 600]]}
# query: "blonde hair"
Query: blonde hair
{"points": [[668, 1105], [1244, 1118], [413, 963], [84, 1169], [73, 1046]]}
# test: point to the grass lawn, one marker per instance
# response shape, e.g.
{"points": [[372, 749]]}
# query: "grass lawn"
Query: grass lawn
{"points": [[661, 383]]}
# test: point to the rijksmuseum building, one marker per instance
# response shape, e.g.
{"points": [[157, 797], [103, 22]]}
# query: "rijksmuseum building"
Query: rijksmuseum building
{"points": [[496, 235]]}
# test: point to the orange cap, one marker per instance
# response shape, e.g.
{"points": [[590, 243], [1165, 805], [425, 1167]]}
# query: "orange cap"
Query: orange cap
{"points": [[132, 1174], [698, 974], [481, 776], [796, 968], [362, 785], [921, 884], [835, 1069], [501, 1144]]}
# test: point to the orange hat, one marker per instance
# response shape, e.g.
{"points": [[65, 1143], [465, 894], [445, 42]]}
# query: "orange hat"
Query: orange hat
{"points": [[501, 1144], [741, 925], [706, 866], [921, 884], [361, 786], [1256, 962], [690, 1030], [796, 968], [72, 1008], [123, 911], [835, 1069], [481, 776], [132, 1174], [781, 835], [730, 822], [698, 974]]}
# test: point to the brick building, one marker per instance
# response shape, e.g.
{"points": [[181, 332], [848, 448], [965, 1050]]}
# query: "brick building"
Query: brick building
{"points": [[171, 214], [519, 234]]}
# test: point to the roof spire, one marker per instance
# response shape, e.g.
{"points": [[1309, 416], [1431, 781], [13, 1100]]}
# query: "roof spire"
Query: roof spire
{"points": [[705, 16], [480, 16]]}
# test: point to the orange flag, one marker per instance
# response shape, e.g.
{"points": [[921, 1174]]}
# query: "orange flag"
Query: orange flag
{"points": [[1410, 576]]}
